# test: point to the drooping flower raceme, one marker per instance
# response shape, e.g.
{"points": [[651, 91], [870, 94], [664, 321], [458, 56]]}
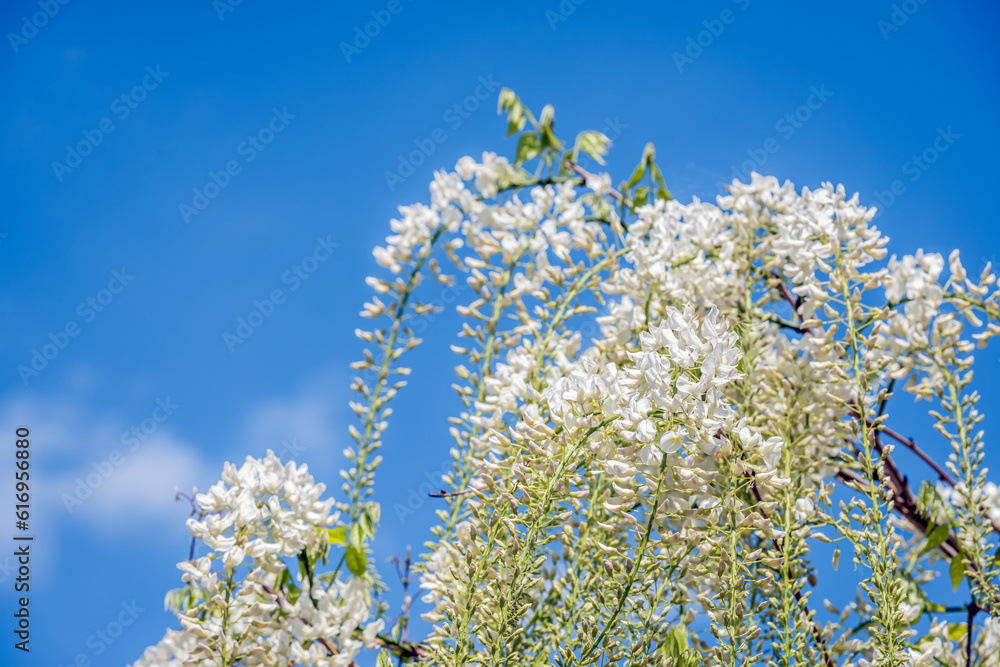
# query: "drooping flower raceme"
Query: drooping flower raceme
{"points": [[668, 415], [240, 605]]}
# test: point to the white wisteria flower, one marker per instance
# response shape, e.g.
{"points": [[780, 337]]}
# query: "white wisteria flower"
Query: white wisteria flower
{"points": [[668, 415]]}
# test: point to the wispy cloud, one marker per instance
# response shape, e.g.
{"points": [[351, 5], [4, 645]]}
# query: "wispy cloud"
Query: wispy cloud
{"points": [[308, 419], [83, 470], [86, 472], [141, 489]]}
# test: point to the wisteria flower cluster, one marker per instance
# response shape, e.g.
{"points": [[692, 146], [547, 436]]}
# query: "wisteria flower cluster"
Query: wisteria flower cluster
{"points": [[239, 605], [674, 421]]}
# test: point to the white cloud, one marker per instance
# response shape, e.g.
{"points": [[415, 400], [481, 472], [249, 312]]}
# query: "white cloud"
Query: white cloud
{"points": [[303, 428], [83, 471], [78, 459], [141, 488], [59, 422]]}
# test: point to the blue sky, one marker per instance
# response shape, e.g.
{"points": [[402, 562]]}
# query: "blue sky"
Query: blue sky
{"points": [[291, 135]]}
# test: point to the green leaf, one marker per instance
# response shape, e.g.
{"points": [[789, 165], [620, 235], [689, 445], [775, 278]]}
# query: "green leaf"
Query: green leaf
{"points": [[957, 571], [641, 195], [675, 643], [367, 520], [935, 539], [293, 592], [926, 497], [956, 631], [930, 502], [355, 535], [637, 175], [178, 599], [373, 513], [355, 559], [384, 659], [398, 627], [303, 565], [510, 103], [528, 148], [283, 579], [337, 535], [648, 154], [549, 138], [661, 190], [593, 144]]}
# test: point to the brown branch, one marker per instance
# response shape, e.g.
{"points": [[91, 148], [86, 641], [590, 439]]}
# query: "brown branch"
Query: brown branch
{"points": [[905, 507], [910, 444], [794, 301]]}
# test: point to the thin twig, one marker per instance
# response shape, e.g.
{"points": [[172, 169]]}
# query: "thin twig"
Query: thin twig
{"points": [[586, 174], [911, 444], [973, 610], [195, 510], [794, 301], [403, 572], [449, 494], [330, 647]]}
